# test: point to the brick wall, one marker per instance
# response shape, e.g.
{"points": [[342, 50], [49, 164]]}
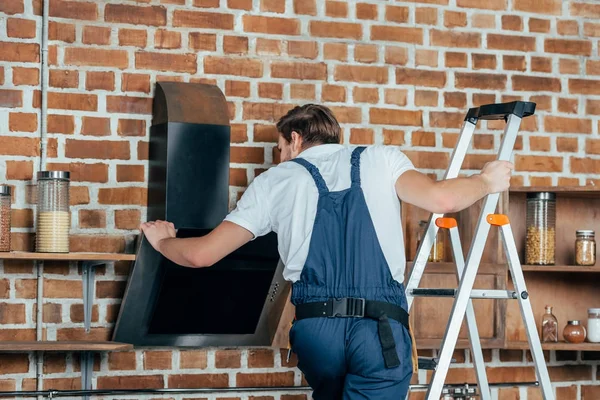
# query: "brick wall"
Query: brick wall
{"points": [[395, 72]]}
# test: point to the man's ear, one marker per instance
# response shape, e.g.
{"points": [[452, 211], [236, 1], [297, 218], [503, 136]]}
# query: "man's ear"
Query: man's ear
{"points": [[297, 141]]}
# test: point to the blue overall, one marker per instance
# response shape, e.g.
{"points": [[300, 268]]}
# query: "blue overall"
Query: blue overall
{"points": [[341, 358]]}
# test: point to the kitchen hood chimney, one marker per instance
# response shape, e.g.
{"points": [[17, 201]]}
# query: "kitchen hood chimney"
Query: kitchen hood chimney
{"points": [[240, 300]]}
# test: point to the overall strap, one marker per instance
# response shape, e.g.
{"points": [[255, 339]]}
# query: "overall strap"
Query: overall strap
{"points": [[355, 162], [314, 172]]}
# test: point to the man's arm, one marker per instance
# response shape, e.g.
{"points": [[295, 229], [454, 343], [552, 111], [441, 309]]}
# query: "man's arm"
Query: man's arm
{"points": [[456, 194], [198, 251]]}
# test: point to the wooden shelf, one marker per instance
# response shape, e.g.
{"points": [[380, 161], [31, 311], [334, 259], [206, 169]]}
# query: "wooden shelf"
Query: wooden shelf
{"points": [[19, 346], [563, 191], [559, 268], [445, 267], [435, 344], [22, 255], [556, 346]]}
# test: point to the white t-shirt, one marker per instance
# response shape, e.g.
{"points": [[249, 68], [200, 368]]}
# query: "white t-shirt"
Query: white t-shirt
{"points": [[284, 200]]}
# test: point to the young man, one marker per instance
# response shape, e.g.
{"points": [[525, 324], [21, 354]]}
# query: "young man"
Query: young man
{"points": [[336, 211]]}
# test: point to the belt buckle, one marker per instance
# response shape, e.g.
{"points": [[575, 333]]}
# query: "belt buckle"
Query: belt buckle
{"points": [[348, 307]]}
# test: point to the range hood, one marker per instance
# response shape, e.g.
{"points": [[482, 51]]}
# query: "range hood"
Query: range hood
{"points": [[243, 299]]}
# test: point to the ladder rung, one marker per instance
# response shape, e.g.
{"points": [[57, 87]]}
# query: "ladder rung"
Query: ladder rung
{"points": [[430, 364], [475, 293]]}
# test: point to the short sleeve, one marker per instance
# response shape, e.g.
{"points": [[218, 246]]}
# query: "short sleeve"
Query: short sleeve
{"points": [[252, 211], [398, 162]]}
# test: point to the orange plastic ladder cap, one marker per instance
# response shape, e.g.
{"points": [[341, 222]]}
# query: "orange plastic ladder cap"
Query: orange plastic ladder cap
{"points": [[498, 219], [446, 223]]}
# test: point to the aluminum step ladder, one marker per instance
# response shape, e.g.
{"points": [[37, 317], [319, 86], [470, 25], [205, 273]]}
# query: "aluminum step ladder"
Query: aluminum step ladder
{"points": [[512, 113]]}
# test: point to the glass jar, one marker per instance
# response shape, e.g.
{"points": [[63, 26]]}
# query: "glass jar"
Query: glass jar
{"points": [[574, 332], [541, 221], [549, 326], [585, 248], [5, 211], [593, 334], [53, 217], [437, 250]]}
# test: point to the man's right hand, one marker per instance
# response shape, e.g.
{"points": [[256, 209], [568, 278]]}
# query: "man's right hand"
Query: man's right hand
{"points": [[496, 175]]}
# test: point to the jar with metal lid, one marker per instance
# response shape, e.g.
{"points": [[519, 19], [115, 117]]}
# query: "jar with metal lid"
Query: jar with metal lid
{"points": [[53, 216], [593, 334], [5, 211], [585, 248], [437, 253], [541, 225]]}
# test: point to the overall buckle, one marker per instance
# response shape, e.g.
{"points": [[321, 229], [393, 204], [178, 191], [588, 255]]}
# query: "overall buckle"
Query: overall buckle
{"points": [[348, 307]]}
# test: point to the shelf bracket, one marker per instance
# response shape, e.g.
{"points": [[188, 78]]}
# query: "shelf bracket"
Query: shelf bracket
{"points": [[87, 369], [88, 276]]}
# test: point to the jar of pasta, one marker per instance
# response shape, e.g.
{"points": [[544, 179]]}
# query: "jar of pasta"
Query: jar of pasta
{"points": [[541, 228], [5, 211], [585, 248]]}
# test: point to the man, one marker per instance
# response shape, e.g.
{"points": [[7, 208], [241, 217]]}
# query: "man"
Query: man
{"points": [[336, 211]]}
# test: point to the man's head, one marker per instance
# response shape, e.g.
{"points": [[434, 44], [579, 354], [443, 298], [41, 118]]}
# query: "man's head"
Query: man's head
{"points": [[306, 126]]}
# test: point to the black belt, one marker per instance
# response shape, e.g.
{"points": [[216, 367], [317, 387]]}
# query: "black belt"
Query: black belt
{"points": [[359, 307]]}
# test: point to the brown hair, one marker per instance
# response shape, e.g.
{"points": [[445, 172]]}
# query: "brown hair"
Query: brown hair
{"points": [[316, 124]]}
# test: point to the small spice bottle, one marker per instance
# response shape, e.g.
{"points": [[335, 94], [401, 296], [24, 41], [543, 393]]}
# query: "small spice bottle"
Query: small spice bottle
{"points": [[585, 248], [5, 218], [549, 326], [574, 332]]}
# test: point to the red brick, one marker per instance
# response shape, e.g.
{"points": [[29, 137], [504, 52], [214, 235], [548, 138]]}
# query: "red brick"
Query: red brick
{"points": [[569, 106], [96, 80], [302, 49], [193, 359], [22, 122], [484, 61], [132, 37], [592, 146], [157, 360], [131, 127], [456, 60], [539, 143], [83, 172], [63, 289], [228, 359], [205, 3], [12, 313], [488, 4], [200, 19], [200, 41], [539, 25], [591, 29], [446, 119], [563, 124], [61, 124], [164, 39], [96, 35], [299, 70], [73, 10], [567, 28], [79, 195], [19, 52], [97, 149], [233, 66], [128, 14], [486, 21], [396, 14], [455, 99], [166, 62], [483, 98], [235, 44], [508, 42], [131, 195], [397, 34], [455, 39], [361, 136], [336, 9], [396, 96], [200, 380], [21, 218], [252, 155], [95, 126], [265, 379], [92, 219], [454, 19], [480, 81], [19, 146], [541, 64], [396, 55], [393, 137], [420, 77], [335, 51], [142, 150], [12, 7], [426, 57], [25, 76], [351, 73], [130, 173], [366, 11], [514, 63], [547, 7], [237, 88], [568, 145], [271, 25], [584, 86], [64, 78], [302, 91], [347, 115], [237, 176], [592, 67], [131, 382], [305, 7], [584, 165], [127, 219], [426, 15], [532, 84], [365, 95], [121, 361], [512, 23], [426, 98], [240, 4], [129, 104], [341, 30], [565, 46], [19, 170], [585, 10], [21, 28], [72, 101], [538, 163], [395, 117], [96, 57]]}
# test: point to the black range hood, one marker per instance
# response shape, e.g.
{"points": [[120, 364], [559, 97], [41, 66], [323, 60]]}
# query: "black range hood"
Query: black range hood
{"points": [[240, 300]]}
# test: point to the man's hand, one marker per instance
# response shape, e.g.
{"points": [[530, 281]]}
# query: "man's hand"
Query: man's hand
{"points": [[156, 231], [496, 175]]}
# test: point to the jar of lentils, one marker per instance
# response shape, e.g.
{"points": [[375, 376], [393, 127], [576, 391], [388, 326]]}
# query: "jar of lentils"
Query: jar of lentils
{"points": [[585, 248], [541, 228], [5, 201]]}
